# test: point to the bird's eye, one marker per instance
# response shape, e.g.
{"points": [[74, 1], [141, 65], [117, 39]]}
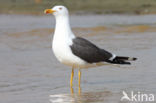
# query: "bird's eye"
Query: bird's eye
{"points": [[60, 8]]}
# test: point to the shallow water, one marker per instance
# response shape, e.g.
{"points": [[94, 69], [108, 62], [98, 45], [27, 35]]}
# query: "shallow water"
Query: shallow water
{"points": [[29, 72]]}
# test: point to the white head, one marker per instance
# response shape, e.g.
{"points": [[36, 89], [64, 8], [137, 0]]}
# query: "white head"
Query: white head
{"points": [[62, 20], [57, 11]]}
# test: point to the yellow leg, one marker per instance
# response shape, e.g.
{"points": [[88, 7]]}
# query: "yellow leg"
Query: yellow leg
{"points": [[71, 89], [79, 92], [79, 74], [71, 78]]}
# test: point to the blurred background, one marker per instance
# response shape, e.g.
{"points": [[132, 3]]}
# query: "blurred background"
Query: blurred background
{"points": [[30, 73], [80, 6]]}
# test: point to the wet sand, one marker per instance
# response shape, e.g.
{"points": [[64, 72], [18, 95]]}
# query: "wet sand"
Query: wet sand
{"points": [[30, 73]]}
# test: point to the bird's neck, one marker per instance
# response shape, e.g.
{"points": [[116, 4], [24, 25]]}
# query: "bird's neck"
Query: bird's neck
{"points": [[62, 28]]}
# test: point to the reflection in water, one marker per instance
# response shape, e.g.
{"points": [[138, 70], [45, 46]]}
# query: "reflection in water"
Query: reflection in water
{"points": [[62, 98], [72, 91], [83, 98]]}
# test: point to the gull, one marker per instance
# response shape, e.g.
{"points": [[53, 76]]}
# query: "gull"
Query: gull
{"points": [[78, 52]]}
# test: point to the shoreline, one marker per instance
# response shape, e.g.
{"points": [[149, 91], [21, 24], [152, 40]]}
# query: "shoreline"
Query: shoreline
{"points": [[73, 13], [31, 7]]}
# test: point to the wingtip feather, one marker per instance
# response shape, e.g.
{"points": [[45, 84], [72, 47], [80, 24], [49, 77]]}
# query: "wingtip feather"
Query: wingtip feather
{"points": [[132, 59]]}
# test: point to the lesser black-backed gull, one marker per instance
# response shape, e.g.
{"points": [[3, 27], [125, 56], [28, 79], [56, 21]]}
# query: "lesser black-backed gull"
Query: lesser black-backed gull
{"points": [[75, 51]]}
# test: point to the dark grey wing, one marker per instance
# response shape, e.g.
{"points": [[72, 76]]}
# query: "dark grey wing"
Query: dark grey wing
{"points": [[88, 51]]}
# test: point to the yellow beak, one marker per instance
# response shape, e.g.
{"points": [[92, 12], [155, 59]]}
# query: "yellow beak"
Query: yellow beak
{"points": [[49, 11]]}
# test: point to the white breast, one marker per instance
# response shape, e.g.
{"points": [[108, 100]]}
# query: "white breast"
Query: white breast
{"points": [[62, 40], [62, 51]]}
